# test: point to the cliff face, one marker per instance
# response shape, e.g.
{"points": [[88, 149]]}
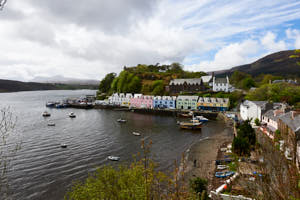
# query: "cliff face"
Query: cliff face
{"points": [[280, 64]]}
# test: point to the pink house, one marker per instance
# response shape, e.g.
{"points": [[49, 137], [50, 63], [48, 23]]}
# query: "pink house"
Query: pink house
{"points": [[141, 101]]}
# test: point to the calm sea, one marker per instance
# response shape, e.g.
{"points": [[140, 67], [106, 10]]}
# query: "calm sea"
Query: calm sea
{"points": [[43, 170]]}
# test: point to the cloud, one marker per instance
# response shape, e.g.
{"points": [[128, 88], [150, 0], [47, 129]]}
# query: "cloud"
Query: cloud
{"points": [[269, 43], [231, 55], [88, 39], [295, 35]]}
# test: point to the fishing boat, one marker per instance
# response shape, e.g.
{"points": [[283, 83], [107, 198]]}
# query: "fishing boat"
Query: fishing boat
{"points": [[72, 115], [122, 120], [46, 114], [201, 118], [136, 133], [51, 124], [113, 158], [191, 125]]}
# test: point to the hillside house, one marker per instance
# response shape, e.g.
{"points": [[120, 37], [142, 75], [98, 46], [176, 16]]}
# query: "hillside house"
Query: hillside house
{"points": [[289, 127], [221, 85], [192, 85], [254, 109]]}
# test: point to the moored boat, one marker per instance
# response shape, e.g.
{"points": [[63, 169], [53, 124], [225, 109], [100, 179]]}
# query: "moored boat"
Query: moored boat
{"points": [[191, 126], [201, 118], [50, 104], [222, 167], [63, 145], [122, 120], [46, 114], [113, 158], [72, 115], [136, 133], [51, 124]]}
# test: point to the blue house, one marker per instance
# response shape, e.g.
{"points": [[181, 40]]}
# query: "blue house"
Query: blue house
{"points": [[164, 102]]}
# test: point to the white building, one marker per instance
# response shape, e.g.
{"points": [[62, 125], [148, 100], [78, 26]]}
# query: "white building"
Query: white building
{"points": [[221, 84], [253, 109], [125, 101]]}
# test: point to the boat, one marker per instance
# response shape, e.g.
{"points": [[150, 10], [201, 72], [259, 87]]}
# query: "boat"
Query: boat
{"points": [[191, 125], [113, 158], [222, 167], [190, 114], [46, 114], [122, 120], [224, 174], [136, 133], [63, 145], [51, 124], [201, 118], [50, 104], [72, 115]]}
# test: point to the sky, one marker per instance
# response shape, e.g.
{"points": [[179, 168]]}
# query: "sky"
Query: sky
{"points": [[88, 39]]}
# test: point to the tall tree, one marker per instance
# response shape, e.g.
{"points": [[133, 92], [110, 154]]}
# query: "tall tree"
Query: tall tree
{"points": [[106, 82]]}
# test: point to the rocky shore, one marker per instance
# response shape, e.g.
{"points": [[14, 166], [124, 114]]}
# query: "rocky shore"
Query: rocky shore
{"points": [[200, 158]]}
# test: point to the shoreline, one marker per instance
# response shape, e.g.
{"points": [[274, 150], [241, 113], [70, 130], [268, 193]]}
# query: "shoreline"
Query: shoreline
{"points": [[200, 157]]}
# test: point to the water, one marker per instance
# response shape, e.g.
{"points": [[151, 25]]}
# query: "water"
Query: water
{"points": [[44, 170]]}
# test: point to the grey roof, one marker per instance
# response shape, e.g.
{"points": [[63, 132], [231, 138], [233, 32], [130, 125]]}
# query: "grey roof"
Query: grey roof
{"points": [[188, 81], [260, 103], [187, 98], [220, 80], [271, 115], [206, 79], [294, 124]]}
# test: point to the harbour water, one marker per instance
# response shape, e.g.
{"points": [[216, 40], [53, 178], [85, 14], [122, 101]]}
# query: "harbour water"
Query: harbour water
{"points": [[44, 170]]}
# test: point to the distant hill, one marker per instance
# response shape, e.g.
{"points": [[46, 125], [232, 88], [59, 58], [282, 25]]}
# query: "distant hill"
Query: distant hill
{"points": [[16, 86], [279, 64], [65, 80]]}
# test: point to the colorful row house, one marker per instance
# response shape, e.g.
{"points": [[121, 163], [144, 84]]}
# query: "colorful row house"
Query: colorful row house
{"points": [[213, 104], [141, 101], [164, 102], [187, 102]]}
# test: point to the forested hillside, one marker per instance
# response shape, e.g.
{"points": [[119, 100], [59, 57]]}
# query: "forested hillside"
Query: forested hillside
{"points": [[146, 79]]}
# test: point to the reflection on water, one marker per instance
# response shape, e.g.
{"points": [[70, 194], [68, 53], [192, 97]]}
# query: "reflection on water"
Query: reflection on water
{"points": [[44, 170]]}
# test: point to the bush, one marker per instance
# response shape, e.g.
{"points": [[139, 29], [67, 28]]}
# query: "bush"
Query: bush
{"points": [[241, 146], [199, 186], [257, 122]]}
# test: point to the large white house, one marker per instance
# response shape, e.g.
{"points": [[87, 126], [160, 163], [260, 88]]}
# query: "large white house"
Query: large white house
{"points": [[221, 84], [253, 109]]}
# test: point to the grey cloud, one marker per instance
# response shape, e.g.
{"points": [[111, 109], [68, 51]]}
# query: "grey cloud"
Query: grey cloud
{"points": [[107, 15], [9, 13]]}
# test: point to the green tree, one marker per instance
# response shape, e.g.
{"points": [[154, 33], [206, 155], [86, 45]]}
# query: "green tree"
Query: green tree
{"points": [[247, 83], [158, 87], [257, 122], [199, 186], [135, 85], [241, 146], [246, 131], [105, 83]]}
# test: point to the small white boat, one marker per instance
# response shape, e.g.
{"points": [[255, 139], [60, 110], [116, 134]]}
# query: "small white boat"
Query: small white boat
{"points": [[113, 158], [222, 167], [122, 120], [46, 114], [51, 124], [136, 133], [201, 118], [72, 115], [63, 145]]}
